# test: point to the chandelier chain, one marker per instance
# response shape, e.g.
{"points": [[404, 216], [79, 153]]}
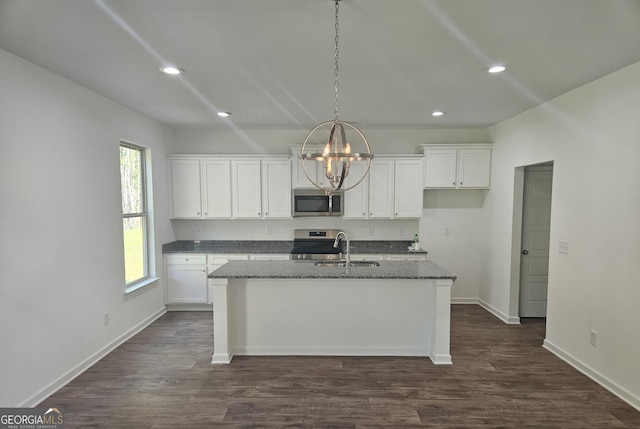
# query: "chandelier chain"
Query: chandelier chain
{"points": [[336, 112]]}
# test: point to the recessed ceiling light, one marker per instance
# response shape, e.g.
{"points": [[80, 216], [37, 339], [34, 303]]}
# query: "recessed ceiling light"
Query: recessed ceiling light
{"points": [[437, 113], [499, 68], [224, 114], [172, 70]]}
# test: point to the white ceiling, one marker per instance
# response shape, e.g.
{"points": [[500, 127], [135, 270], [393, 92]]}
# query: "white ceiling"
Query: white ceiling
{"points": [[270, 63]]}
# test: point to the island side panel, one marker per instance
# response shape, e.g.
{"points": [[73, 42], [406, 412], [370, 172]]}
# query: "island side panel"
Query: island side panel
{"points": [[441, 322], [221, 346], [390, 317]]}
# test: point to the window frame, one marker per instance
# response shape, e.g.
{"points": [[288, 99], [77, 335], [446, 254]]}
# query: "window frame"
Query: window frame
{"points": [[145, 216]]}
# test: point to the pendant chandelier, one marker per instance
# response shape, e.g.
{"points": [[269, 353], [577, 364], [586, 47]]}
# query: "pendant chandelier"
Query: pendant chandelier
{"points": [[338, 153]]}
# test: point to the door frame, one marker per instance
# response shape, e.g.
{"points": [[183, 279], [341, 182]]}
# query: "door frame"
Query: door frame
{"points": [[516, 240]]}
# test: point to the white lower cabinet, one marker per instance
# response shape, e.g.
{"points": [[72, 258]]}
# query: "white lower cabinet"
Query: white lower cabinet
{"points": [[186, 279], [189, 288]]}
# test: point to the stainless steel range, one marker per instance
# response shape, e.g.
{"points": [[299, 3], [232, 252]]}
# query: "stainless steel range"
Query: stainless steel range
{"points": [[315, 244]]}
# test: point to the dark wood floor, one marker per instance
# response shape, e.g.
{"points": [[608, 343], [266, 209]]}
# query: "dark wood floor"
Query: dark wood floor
{"points": [[501, 378]]}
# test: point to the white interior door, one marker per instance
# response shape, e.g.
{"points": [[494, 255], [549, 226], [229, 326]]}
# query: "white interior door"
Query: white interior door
{"points": [[534, 260]]}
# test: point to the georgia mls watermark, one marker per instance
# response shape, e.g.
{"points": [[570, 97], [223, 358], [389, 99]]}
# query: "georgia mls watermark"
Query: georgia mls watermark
{"points": [[31, 418]]}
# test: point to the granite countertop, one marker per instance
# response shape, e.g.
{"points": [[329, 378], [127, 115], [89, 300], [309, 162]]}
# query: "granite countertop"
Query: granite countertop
{"points": [[307, 270], [227, 246], [384, 247]]}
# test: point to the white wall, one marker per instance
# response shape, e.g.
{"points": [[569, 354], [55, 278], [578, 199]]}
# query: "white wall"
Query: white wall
{"points": [[452, 230], [592, 135], [61, 257]]}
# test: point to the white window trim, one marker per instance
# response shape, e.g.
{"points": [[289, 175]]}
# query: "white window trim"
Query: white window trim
{"points": [[151, 277]]}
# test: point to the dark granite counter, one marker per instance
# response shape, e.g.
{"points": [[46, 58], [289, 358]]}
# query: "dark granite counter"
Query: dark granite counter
{"points": [[307, 270], [227, 246], [384, 247]]}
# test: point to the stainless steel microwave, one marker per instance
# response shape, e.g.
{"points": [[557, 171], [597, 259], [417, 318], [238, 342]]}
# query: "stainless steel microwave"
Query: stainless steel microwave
{"points": [[315, 202]]}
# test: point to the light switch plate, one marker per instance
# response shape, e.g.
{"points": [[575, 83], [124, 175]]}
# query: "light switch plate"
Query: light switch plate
{"points": [[563, 246]]}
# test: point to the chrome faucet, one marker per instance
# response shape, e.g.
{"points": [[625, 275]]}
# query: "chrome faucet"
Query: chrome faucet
{"points": [[337, 241]]}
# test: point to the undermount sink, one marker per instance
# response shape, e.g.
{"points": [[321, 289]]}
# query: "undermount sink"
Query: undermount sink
{"points": [[343, 263]]}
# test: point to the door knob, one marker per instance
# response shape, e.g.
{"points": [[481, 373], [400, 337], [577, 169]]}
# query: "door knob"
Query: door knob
{"points": [[525, 252]]}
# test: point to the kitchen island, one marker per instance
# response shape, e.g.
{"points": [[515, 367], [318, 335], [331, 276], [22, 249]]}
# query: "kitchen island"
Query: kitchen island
{"points": [[400, 308]]}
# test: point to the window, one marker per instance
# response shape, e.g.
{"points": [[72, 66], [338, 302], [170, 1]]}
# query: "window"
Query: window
{"points": [[135, 216]]}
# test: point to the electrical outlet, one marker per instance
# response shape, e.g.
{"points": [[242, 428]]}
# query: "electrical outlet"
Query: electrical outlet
{"points": [[106, 319], [402, 232], [593, 338], [563, 246], [269, 230], [370, 230], [198, 229], [447, 231]]}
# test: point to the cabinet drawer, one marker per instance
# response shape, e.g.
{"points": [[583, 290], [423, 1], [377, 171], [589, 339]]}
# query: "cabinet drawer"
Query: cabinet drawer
{"points": [[219, 259], [186, 259], [270, 257]]}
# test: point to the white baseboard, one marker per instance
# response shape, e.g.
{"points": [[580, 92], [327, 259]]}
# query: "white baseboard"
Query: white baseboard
{"points": [[499, 314], [602, 380], [67, 377], [327, 350], [464, 300], [190, 307]]}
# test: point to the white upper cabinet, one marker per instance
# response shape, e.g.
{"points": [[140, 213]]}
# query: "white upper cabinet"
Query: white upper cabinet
{"points": [[393, 189], [408, 188], [246, 189], [457, 166], [440, 168], [185, 188], [276, 189], [474, 168], [356, 200], [315, 169], [381, 189], [216, 189]]}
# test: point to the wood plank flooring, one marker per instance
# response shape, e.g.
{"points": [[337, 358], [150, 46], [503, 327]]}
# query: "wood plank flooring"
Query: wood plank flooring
{"points": [[501, 378]]}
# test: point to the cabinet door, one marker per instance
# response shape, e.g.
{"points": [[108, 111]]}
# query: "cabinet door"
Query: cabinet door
{"points": [[216, 188], [185, 188], [381, 189], [186, 284], [408, 189], [440, 168], [299, 179], [474, 168], [245, 183], [356, 200], [276, 189]]}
